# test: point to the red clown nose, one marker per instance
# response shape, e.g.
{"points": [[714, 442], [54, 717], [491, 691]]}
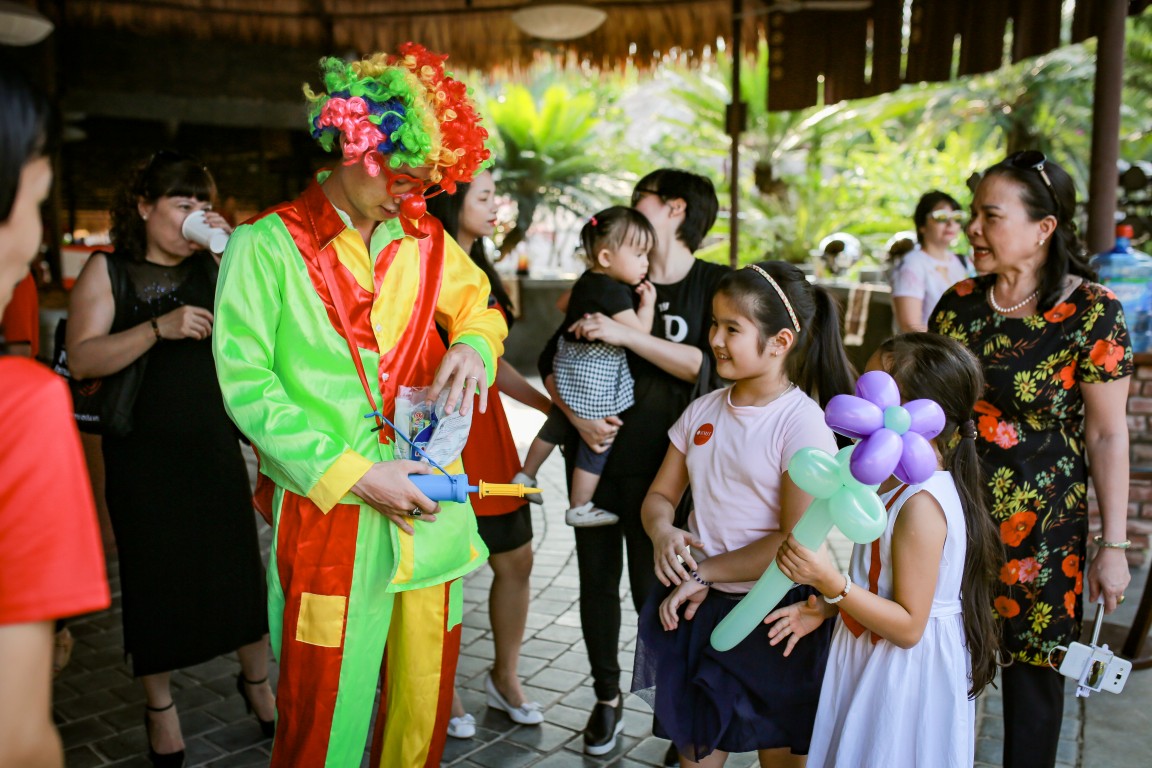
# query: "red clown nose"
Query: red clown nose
{"points": [[413, 206]]}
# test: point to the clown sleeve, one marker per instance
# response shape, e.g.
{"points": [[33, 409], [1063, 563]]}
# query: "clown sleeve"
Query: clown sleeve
{"points": [[462, 308], [263, 368]]}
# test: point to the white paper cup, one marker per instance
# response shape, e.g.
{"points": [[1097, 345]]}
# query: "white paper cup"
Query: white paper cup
{"points": [[196, 230]]}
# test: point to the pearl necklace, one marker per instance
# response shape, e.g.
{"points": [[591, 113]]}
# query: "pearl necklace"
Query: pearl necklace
{"points": [[1014, 307]]}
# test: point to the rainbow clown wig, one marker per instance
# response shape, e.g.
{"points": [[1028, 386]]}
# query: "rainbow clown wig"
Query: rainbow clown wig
{"points": [[403, 107]]}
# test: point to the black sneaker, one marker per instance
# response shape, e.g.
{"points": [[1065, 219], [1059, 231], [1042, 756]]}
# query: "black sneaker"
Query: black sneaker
{"points": [[672, 757], [604, 724]]}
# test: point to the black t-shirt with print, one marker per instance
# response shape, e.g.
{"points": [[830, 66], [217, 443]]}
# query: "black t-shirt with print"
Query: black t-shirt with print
{"points": [[683, 315]]}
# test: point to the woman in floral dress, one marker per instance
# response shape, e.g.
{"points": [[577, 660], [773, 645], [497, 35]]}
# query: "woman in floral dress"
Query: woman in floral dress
{"points": [[1057, 360]]}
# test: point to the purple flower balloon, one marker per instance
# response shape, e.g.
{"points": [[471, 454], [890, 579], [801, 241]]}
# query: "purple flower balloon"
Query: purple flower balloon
{"points": [[893, 437]]}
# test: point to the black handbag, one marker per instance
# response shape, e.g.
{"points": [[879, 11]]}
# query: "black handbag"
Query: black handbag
{"points": [[103, 405]]}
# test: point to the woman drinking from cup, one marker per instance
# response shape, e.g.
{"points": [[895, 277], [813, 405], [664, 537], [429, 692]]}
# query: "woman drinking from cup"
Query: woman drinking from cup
{"points": [[176, 483]]}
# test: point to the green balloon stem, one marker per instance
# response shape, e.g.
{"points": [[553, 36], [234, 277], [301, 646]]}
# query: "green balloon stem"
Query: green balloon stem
{"points": [[770, 589]]}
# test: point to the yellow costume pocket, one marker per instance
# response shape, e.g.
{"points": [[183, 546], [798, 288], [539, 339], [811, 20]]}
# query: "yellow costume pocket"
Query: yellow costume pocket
{"points": [[321, 620]]}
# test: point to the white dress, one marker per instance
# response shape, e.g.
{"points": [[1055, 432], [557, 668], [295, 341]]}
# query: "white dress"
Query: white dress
{"points": [[881, 705]]}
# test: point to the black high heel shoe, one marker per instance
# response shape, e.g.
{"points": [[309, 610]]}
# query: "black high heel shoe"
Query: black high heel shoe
{"points": [[267, 727], [169, 759]]}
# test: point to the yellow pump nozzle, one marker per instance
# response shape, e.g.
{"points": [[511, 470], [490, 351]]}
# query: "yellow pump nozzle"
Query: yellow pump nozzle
{"points": [[505, 489]]}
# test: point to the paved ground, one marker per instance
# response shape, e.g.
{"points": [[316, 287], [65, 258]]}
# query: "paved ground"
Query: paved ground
{"points": [[100, 709]]}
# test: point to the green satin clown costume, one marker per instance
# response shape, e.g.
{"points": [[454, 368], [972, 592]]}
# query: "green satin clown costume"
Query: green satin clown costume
{"points": [[347, 587]]}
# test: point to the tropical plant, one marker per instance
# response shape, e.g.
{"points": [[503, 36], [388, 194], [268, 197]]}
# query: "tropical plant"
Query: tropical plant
{"points": [[554, 151]]}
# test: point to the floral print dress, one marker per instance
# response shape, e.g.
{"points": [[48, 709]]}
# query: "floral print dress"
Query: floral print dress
{"points": [[1030, 427]]}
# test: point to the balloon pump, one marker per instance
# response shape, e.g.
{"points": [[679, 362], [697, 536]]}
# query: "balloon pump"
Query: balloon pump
{"points": [[446, 487]]}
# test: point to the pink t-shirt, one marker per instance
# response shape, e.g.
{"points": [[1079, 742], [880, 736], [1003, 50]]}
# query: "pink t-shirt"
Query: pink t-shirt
{"points": [[736, 456]]}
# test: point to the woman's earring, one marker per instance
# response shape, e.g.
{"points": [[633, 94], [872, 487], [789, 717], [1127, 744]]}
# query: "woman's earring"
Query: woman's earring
{"points": [[144, 216], [1041, 241]]}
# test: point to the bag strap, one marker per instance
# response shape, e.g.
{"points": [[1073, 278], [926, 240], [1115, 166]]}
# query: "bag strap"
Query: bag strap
{"points": [[345, 325], [121, 286], [342, 313]]}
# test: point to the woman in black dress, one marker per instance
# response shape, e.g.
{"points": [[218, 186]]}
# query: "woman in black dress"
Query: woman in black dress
{"points": [[176, 483]]}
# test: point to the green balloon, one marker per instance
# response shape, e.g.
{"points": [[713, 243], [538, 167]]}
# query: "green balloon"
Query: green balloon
{"points": [[897, 419], [812, 529], [841, 500], [815, 472]]}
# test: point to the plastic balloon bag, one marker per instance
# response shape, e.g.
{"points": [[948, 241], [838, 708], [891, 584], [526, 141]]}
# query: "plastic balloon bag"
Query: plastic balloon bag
{"points": [[438, 434]]}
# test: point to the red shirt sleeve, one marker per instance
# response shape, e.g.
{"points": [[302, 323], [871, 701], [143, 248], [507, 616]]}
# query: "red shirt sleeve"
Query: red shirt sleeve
{"points": [[51, 559], [21, 319]]}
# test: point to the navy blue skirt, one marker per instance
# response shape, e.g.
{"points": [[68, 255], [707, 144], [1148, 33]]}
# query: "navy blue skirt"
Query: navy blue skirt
{"points": [[745, 699]]}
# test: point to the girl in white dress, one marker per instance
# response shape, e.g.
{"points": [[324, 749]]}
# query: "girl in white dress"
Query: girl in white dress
{"points": [[917, 642]]}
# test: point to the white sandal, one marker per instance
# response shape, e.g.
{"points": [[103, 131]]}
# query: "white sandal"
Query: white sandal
{"points": [[463, 727], [528, 713]]}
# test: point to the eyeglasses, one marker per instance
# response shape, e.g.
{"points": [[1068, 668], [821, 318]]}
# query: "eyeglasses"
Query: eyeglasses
{"points": [[943, 217], [638, 194], [1033, 160], [411, 185]]}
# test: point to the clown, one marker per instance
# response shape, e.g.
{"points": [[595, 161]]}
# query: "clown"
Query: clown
{"points": [[327, 305]]}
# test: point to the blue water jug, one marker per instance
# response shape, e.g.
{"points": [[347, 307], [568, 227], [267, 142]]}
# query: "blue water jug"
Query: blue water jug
{"points": [[1128, 272]]}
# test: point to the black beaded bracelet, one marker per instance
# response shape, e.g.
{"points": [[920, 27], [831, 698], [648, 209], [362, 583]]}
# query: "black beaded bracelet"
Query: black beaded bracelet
{"points": [[156, 329], [700, 580]]}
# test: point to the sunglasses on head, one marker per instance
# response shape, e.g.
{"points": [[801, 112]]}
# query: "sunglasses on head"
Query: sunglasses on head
{"points": [[955, 217], [1033, 160]]}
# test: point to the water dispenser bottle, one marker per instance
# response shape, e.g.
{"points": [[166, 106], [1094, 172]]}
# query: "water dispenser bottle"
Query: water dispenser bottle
{"points": [[1127, 273]]}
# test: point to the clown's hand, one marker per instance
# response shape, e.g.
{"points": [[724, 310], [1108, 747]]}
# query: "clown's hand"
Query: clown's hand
{"points": [[386, 488], [462, 373]]}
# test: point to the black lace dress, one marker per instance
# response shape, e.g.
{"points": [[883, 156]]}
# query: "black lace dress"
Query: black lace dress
{"points": [[191, 576]]}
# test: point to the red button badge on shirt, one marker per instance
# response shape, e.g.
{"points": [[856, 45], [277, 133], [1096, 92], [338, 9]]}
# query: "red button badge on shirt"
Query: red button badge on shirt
{"points": [[703, 434]]}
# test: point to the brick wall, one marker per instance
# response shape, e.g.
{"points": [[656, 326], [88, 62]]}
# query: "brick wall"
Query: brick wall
{"points": [[1140, 456]]}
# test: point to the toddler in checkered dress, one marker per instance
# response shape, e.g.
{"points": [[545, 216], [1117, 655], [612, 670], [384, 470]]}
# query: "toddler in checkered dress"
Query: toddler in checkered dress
{"points": [[592, 377]]}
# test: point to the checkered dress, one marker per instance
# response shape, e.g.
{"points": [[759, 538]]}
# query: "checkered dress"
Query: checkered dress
{"points": [[593, 378]]}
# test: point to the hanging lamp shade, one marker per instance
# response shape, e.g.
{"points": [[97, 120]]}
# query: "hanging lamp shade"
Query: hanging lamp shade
{"points": [[21, 25], [558, 21]]}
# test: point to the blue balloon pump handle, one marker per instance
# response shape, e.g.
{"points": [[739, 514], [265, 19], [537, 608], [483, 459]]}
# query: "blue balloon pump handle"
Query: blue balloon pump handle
{"points": [[436, 487]]}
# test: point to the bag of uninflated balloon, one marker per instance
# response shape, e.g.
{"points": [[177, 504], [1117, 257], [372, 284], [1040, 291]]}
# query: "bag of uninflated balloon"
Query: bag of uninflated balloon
{"points": [[441, 436]]}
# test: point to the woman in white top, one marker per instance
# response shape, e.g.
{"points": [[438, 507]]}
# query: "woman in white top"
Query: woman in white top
{"points": [[920, 278]]}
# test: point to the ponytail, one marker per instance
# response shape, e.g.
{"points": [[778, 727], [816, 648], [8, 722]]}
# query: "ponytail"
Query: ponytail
{"points": [[819, 365], [982, 560], [1067, 255], [926, 365]]}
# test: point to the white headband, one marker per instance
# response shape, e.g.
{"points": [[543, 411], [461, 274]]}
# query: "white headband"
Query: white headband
{"points": [[780, 292]]}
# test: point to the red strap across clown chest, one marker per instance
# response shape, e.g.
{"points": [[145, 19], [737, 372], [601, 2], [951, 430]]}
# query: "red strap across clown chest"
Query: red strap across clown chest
{"points": [[414, 358]]}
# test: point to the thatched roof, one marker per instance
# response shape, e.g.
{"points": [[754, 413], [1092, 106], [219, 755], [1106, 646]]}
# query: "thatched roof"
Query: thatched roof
{"points": [[477, 33], [857, 52]]}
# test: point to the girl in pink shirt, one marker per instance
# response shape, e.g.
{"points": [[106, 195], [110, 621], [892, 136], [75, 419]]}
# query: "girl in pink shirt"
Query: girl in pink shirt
{"points": [[777, 338]]}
